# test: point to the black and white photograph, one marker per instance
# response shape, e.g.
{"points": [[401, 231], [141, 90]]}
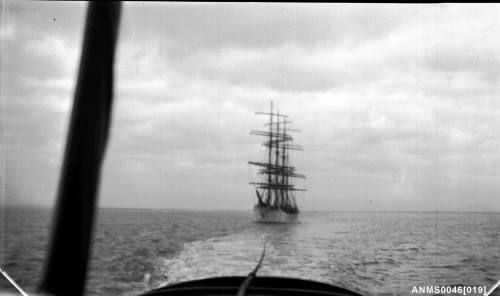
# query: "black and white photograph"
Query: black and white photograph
{"points": [[190, 148]]}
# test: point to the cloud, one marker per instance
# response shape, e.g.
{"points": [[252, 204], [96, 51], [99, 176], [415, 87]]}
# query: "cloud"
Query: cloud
{"points": [[396, 104], [192, 27]]}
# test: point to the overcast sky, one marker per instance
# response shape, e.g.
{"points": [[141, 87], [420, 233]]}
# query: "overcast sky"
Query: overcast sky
{"points": [[398, 105]]}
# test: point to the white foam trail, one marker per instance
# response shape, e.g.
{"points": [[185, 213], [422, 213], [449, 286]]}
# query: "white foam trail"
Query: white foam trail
{"points": [[213, 257], [237, 254]]}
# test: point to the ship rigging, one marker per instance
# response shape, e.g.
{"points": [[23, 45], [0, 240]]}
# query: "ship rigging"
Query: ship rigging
{"points": [[275, 192]]}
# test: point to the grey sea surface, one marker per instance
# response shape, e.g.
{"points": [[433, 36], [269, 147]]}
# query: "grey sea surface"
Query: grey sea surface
{"points": [[374, 253]]}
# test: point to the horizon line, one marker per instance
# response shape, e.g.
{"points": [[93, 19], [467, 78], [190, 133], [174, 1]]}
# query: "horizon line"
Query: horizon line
{"points": [[243, 210]]}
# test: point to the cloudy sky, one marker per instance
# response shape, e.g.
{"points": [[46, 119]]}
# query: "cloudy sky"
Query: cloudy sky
{"points": [[398, 105]]}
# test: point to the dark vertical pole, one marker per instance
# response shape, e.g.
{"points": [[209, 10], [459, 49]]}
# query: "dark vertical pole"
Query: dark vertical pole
{"points": [[66, 268], [283, 182], [270, 154], [277, 193]]}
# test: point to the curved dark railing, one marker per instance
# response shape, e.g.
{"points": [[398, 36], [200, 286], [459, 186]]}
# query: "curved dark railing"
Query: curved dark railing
{"points": [[276, 286]]}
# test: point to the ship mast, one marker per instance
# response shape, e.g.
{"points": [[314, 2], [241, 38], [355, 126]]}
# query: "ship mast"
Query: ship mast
{"points": [[270, 150], [277, 171]]}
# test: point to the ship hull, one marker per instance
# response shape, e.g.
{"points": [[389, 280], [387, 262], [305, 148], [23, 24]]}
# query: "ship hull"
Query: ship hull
{"points": [[267, 214]]}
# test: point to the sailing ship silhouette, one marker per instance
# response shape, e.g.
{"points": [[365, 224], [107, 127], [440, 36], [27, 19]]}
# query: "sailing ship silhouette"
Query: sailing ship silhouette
{"points": [[275, 193]]}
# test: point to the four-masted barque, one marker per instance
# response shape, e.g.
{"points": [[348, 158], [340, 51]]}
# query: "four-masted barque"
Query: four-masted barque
{"points": [[275, 191]]}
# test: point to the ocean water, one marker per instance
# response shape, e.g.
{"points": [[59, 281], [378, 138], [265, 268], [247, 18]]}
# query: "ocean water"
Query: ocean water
{"points": [[374, 253]]}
